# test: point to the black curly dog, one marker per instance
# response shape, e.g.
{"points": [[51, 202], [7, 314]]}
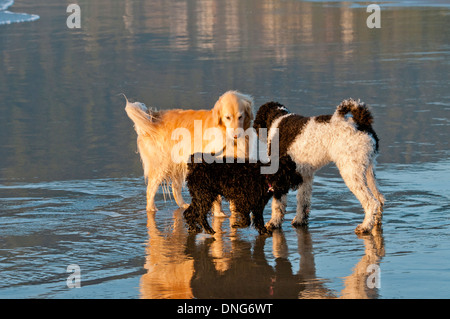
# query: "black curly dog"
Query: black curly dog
{"points": [[241, 183]]}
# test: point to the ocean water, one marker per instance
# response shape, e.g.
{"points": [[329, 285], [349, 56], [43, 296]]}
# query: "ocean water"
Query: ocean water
{"points": [[71, 185], [8, 17]]}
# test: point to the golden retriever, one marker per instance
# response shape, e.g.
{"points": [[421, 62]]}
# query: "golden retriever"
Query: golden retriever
{"points": [[159, 139]]}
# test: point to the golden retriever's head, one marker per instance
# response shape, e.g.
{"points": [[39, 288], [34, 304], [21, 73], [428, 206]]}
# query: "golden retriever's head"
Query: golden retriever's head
{"points": [[234, 110]]}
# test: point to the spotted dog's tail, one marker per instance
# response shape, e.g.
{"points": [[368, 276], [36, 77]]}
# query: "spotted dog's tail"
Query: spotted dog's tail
{"points": [[361, 116]]}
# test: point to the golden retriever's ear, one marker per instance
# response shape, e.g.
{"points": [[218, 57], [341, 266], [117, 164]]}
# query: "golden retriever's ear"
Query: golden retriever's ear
{"points": [[217, 112]]}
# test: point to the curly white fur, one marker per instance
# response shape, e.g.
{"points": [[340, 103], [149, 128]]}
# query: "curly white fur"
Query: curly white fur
{"points": [[335, 139]]}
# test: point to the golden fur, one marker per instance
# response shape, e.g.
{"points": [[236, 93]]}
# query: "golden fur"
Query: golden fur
{"points": [[157, 138]]}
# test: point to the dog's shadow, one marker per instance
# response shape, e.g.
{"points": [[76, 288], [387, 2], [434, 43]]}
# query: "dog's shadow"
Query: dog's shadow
{"points": [[235, 264]]}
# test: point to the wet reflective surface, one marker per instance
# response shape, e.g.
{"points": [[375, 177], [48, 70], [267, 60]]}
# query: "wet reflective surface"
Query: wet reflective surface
{"points": [[71, 190]]}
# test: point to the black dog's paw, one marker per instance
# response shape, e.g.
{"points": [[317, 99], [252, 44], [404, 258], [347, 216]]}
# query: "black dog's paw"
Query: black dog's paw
{"points": [[209, 230], [204, 223], [264, 231], [241, 221], [194, 229]]}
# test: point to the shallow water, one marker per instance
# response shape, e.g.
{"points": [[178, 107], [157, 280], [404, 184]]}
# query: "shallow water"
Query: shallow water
{"points": [[71, 190], [8, 17]]}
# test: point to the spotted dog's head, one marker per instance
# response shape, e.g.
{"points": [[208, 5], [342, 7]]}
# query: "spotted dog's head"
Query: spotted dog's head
{"points": [[267, 113]]}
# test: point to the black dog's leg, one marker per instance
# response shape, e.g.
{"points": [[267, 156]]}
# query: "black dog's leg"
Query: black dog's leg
{"points": [[191, 217], [242, 220], [258, 221], [205, 225], [241, 213], [205, 206]]}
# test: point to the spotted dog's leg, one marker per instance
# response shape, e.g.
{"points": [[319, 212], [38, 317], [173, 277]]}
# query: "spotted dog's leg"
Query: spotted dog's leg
{"points": [[303, 201], [278, 211]]}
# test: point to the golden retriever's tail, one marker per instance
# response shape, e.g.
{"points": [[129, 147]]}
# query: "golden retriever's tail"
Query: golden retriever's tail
{"points": [[142, 117]]}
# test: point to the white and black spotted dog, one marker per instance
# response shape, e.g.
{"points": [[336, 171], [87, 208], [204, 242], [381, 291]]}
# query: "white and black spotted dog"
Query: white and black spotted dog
{"points": [[345, 138]]}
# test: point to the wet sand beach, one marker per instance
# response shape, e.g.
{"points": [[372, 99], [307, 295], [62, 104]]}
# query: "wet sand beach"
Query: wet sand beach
{"points": [[71, 185]]}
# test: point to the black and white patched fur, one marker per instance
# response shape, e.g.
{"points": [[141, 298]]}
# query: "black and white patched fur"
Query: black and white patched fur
{"points": [[242, 184], [345, 138]]}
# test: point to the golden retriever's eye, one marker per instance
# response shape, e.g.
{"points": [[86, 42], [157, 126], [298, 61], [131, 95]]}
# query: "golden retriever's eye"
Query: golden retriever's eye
{"points": [[228, 118], [240, 117]]}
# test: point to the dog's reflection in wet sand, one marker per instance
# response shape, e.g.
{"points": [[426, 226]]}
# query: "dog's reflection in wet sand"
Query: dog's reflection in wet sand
{"points": [[169, 269], [227, 265]]}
